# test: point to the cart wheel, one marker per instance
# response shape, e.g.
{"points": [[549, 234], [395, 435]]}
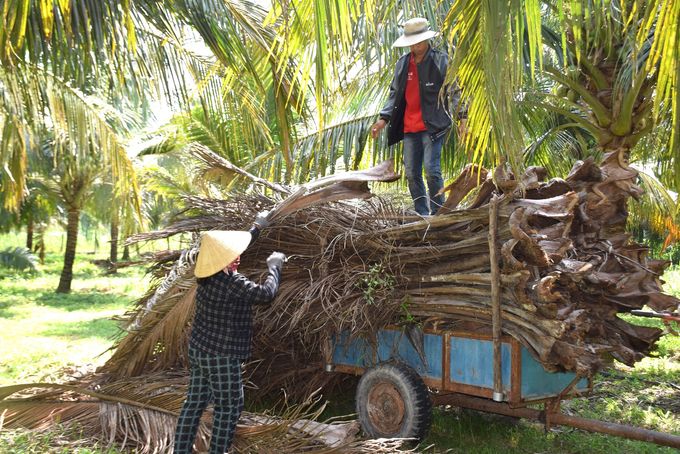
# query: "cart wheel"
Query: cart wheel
{"points": [[393, 402]]}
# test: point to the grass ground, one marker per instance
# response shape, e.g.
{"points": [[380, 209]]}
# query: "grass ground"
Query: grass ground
{"points": [[48, 331], [45, 336]]}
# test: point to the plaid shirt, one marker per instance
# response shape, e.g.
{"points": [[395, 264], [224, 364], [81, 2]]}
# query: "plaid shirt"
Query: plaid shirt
{"points": [[223, 324]]}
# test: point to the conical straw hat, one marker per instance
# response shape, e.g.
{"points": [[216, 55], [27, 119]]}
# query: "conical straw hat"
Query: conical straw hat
{"points": [[218, 249]]}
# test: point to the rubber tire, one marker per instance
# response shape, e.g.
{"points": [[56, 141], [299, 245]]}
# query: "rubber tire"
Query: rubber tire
{"points": [[410, 389]]}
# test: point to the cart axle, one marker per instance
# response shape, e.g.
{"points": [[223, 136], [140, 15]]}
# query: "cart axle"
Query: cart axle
{"points": [[550, 417]]}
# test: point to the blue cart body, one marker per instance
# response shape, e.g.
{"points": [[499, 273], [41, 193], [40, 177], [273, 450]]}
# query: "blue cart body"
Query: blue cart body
{"points": [[458, 362]]}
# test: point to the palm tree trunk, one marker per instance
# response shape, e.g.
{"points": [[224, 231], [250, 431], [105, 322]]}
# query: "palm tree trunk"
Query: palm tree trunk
{"points": [[40, 241], [29, 233], [126, 253], [70, 253], [113, 256], [41, 250]]}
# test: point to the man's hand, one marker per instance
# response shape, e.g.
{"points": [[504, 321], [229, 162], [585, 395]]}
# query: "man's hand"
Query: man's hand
{"points": [[261, 220], [276, 259], [377, 127]]}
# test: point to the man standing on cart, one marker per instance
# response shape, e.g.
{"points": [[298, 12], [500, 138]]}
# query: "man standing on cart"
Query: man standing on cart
{"points": [[416, 113]]}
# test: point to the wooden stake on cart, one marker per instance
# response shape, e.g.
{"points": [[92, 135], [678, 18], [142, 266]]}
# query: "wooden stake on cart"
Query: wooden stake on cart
{"points": [[498, 394]]}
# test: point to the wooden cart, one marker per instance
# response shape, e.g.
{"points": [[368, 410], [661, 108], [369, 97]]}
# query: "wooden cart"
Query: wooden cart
{"points": [[404, 371]]}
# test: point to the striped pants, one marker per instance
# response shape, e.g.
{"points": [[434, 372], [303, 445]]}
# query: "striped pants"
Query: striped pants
{"points": [[216, 378]]}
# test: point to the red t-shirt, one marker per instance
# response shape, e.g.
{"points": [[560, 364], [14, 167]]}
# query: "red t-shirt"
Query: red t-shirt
{"points": [[413, 117]]}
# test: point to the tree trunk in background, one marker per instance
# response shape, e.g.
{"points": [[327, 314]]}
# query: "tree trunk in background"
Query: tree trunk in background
{"points": [[113, 256], [70, 253], [41, 251], [29, 234], [126, 253], [40, 241]]}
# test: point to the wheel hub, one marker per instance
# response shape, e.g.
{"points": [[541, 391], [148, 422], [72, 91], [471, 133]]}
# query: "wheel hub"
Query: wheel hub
{"points": [[386, 408]]}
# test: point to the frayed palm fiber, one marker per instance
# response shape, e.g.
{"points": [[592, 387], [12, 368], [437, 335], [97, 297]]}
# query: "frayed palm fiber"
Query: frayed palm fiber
{"points": [[140, 413]]}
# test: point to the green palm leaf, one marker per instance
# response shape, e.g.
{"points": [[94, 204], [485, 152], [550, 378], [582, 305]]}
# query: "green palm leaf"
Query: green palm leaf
{"points": [[18, 258]]}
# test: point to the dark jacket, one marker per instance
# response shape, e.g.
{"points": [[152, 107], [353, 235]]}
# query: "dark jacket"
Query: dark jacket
{"points": [[223, 324], [431, 75]]}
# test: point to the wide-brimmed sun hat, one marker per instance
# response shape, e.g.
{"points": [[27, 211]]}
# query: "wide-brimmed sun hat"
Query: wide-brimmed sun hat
{"points": [[218, 249], [415, 31]]}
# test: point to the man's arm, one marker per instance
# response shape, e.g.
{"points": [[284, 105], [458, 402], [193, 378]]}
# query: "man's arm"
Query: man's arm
{"points": [[388, 108]]}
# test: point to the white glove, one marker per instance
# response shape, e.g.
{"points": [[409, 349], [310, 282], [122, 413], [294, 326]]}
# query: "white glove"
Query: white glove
{"points": [[261, 220], [276, 259]]}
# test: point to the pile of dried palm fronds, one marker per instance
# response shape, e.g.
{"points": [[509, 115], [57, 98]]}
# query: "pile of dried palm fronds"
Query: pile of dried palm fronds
{"points": [[568, 268], [141, 413]]}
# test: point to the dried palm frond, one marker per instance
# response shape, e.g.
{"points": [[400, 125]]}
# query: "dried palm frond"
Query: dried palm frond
{"points": [[158, 327], [137, 413], [141, 414], [157, 338]]}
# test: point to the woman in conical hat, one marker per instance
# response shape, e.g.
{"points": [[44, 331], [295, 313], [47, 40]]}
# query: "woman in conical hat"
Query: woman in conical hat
{"points": [[221, 334]]}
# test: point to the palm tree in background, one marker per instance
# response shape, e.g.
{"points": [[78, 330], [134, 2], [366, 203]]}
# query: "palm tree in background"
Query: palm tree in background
{"points": [[290, 90], [37, 209], [71, 179]]}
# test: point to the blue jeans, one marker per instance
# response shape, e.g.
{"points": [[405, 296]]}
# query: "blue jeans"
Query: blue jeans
{"points": [[419, 150]]}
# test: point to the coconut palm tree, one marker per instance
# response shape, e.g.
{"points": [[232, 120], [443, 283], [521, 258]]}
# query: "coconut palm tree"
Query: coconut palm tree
{"points": [[609, 81], [37, 209], [49, 79], [215, 54], [71, 180], [615, 62]]}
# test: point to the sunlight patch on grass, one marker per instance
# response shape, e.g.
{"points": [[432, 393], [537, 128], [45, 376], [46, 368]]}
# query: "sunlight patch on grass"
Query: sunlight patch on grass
{"points": [[57, 440], [656, 366], [45, 331], [644, 396], [41, 359], [44, 338], [672, 281]]}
